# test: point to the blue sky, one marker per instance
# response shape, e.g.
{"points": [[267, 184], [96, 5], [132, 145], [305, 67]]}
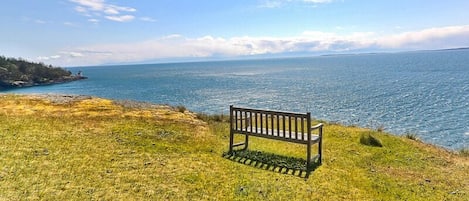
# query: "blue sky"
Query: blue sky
{"points": [[96, 32]]}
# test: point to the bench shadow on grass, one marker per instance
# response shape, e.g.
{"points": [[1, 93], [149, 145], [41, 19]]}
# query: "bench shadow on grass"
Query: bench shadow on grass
{"points": [[272, 162]]}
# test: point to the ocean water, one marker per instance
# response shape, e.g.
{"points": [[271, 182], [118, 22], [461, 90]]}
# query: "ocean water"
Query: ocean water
{"points": [[425, 93]]}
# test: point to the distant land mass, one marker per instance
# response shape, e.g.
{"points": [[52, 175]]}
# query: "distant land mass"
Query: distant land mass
{"points": [[21, 73], [461, 48], [373, 53]]}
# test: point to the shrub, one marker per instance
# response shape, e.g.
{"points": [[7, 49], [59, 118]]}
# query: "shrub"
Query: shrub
{"points": [[370, 140], [181, 108]]}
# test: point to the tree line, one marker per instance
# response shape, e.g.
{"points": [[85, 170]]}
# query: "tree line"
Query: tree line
{"points": [[18, 70]]}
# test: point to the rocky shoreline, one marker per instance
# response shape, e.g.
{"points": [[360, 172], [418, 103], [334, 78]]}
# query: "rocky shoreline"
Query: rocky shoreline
{"points": [[20, 84]]}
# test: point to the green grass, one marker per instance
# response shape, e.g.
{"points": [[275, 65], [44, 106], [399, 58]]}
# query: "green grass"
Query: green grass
{"points": [[95, 149]]}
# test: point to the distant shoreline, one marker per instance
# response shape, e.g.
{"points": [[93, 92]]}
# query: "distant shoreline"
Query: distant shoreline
{"points": [[23, 84]]}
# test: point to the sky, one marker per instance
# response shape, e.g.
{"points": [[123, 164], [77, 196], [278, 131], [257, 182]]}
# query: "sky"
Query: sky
{"points": [[100, 32]]}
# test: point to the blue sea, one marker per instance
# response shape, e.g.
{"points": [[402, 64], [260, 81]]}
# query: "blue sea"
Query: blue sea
{"points": [[424, 93]]}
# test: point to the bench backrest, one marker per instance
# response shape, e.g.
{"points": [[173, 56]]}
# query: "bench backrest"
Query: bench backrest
{"points": [[291, 125]]}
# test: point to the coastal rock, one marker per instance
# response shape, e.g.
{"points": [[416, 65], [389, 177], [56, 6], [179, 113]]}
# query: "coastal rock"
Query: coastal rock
{"points": [[19, 83]]}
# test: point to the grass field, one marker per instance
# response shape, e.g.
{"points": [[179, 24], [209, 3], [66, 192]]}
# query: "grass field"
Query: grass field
{"points": [[96, 149]]}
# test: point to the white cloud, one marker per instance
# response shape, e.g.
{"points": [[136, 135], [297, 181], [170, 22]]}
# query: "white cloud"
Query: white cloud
{"points": [[70, 24], [116, 10], [45, 58], [91, 4], [70, 54], [38, 21], [442, 37], [317, 1], [92, 20], [122, 18], [97, 8], [75, 54], [271, 4], [122, 8], [311, 42], [280, 3], [147, 19], [42, 58], [111, 11], [81, 9]]}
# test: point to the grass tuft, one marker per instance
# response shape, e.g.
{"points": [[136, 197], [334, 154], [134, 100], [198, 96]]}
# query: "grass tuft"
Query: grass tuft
{"points": [[464, 152], [380, 128], [412, 136], [213, 117]]}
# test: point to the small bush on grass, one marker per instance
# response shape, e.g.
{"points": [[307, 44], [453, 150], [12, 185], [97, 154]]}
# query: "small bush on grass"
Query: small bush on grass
{"points": [[370, 140], [181, 108]]}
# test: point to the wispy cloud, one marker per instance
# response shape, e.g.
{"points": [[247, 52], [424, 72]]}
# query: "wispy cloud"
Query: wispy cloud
{"points": [[38, 21], [93, 20], [69, 24], [312, 42], [147, 19], [98, 8], [121, 18], [73, 54], [317, 1], [45, 58], [271, 4], [281, 3]]}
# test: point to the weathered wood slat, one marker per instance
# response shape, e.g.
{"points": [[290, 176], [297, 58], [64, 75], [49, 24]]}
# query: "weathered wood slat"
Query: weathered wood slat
{"points": [[270, 112], [282, 135], [278, 123], [236, 119], [302, 127], [296, 127], [262, 122]]}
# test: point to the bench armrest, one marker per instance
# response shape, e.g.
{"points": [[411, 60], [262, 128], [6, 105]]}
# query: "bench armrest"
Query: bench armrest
{"points": [[317, 126]]}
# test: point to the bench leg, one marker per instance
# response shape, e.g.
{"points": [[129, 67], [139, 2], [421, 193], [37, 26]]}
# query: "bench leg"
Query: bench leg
{"points": [[308, 155], [246, 142], [231, 142], [320, 146], [320, 152]]}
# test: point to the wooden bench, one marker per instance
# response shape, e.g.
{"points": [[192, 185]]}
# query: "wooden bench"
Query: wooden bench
{"points": [[284, 126]]}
